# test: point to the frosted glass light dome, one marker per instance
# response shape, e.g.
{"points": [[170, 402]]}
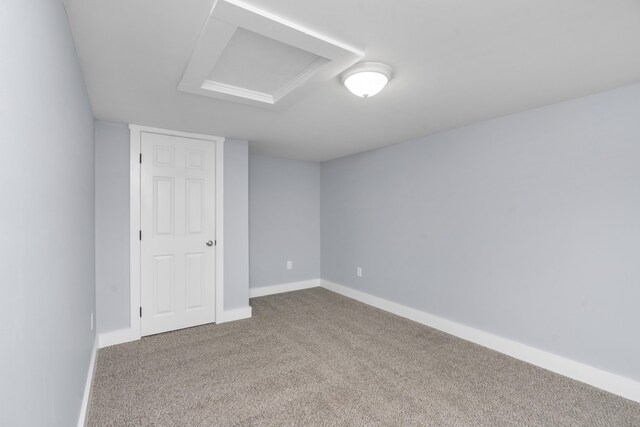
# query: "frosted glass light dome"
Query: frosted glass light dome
{"points": [[366, 78]]}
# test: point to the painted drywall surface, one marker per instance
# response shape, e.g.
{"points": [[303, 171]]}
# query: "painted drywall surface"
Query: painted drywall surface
{"points": [[47, 274], [525, 226], [284, 220], [112, 226], [236, 224]]}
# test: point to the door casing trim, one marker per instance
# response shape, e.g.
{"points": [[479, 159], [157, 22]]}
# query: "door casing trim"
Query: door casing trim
{"points": [[135, 222]]}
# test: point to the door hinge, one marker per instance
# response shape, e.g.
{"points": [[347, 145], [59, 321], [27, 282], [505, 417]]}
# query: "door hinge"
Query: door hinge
{"points": [[140, 158], [140, 311], [140, 235], [215, 243]]}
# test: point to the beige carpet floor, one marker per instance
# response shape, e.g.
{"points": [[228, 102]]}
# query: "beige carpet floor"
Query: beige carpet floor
{"points": [[313, 357]]}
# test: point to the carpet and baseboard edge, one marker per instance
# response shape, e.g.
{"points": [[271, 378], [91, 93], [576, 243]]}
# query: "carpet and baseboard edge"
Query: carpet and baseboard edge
{"points": [[262, 291], [86, 396], [126, 335], [234, 314], [578, 371], [613, 383]]}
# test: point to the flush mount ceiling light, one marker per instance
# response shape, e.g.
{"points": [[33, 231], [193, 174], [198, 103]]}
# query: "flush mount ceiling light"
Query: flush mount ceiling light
{"points": [[366, 78]]}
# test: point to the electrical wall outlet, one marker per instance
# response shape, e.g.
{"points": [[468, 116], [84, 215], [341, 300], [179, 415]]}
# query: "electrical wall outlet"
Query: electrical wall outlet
{"points": [[289, 265], [92, 320], [359, 271]]}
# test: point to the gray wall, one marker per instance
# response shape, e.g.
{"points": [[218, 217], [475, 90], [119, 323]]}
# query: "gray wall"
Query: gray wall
{"points": [[112, 226], [526, 227], [284, 220], [236, 224], [47, 218]]}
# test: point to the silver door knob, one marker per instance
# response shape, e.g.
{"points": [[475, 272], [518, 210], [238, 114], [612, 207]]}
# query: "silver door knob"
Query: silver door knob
{"points": [[209, 243]]}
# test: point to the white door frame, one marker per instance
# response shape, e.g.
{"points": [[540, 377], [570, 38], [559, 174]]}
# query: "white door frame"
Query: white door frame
{"points": [[135, 220]]}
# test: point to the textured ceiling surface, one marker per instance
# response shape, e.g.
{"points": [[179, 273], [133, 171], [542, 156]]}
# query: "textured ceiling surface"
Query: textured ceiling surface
{"points": [[455, 62]]}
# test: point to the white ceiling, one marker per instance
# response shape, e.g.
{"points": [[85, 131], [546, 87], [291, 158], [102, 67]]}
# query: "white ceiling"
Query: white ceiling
{"points": [[455, 62]]}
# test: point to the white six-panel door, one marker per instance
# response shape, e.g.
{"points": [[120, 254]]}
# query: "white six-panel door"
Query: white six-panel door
{"points": [[178, 232]]}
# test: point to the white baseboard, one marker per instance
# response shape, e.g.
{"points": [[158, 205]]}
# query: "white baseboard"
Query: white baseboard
{"points": [[86, 396], [235, 314], [120, 336], [285, 287], [604, 380]]}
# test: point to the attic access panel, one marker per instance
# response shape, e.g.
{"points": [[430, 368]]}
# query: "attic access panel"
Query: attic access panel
{"points": [[253, 57]]}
